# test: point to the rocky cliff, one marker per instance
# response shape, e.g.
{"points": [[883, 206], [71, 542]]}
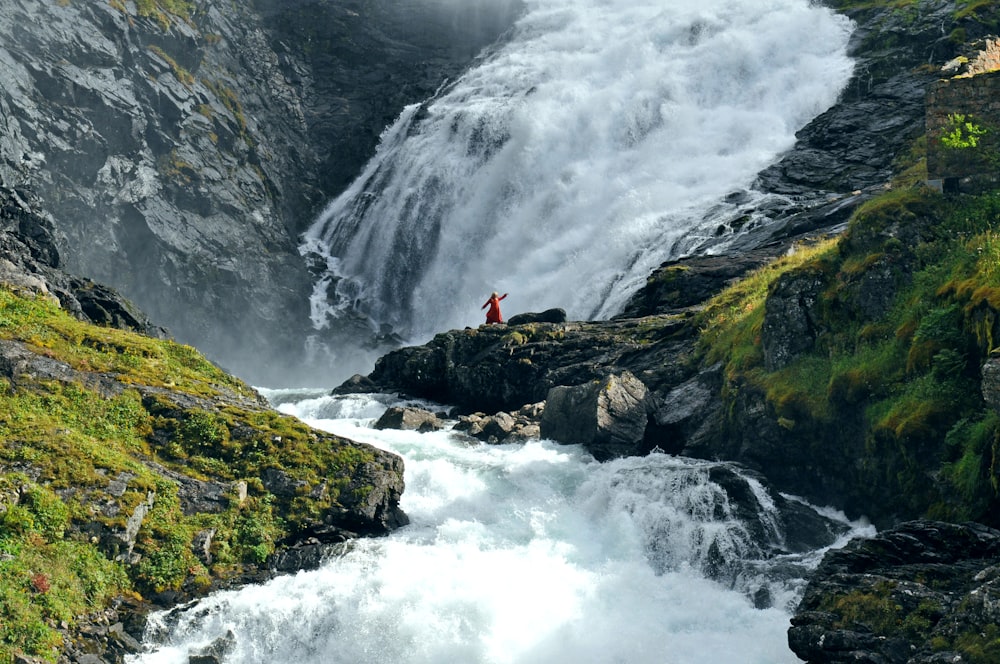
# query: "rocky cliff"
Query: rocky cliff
{"points": [[180, 147], [921, 593], [721, 385]]}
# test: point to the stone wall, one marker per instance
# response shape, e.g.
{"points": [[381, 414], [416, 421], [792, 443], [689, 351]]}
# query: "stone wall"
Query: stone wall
{"points": [[974, 94]]}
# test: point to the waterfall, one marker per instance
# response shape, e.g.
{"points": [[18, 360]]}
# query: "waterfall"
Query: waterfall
{"points": [[601, 138], [516, 554]]}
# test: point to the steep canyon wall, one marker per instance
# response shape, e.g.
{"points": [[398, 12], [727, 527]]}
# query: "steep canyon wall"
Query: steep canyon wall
{"points": [[179, 155]]}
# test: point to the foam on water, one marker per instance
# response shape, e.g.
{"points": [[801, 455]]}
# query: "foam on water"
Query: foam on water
{"points": [[515, 554]]}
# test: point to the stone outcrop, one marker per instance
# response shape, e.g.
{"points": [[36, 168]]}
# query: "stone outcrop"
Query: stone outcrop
{"points": [[504, 367], [990, 383], [919, 593], [790, 318]]}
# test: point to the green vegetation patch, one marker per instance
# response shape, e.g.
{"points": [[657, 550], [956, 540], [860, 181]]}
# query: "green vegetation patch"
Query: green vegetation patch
{"points": [[730, 322], [51, 331], [906, 373], [44, 578], [181, 74], [880, 609]]}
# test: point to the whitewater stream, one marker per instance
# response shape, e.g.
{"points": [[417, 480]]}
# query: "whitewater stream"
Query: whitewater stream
{"points": [[517, 554]]}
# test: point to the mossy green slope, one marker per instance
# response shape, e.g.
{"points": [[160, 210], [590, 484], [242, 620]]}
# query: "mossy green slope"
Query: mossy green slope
{"points": [[96, 426], [893, 386]]}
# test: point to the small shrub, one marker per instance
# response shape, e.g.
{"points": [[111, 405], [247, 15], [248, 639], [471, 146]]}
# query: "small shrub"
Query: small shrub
{"points": [[961, 133]]}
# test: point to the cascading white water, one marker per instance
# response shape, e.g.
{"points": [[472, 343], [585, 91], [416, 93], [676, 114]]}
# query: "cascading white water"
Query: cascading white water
{"points": [[516, 554], [573, 159]]}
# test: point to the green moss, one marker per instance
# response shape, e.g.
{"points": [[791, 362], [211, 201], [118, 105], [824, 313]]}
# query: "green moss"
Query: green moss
{"points": [[799, 391], [514, 339], [980, 647], [869, 226], [879, 610], [133, 358], [228, 97], [874, 608], [970, 8]]}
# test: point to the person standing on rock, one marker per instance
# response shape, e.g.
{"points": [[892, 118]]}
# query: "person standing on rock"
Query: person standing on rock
{"points": [[493, 315]]}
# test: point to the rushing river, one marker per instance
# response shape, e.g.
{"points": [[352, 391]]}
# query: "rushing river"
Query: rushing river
{"points": [[517, 554]]}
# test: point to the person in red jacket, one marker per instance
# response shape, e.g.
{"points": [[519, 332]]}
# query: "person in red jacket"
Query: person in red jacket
{"points": [[493, 315]]}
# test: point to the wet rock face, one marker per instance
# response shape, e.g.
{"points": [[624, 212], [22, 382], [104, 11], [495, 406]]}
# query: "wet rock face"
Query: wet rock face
{"points": [[361, 62], [161, 151], [852, 145], [179, 157]]}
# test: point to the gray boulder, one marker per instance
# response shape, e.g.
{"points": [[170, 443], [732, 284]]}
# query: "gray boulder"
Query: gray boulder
{"points": [[607, 416], [547, 316], [409, 419]]}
